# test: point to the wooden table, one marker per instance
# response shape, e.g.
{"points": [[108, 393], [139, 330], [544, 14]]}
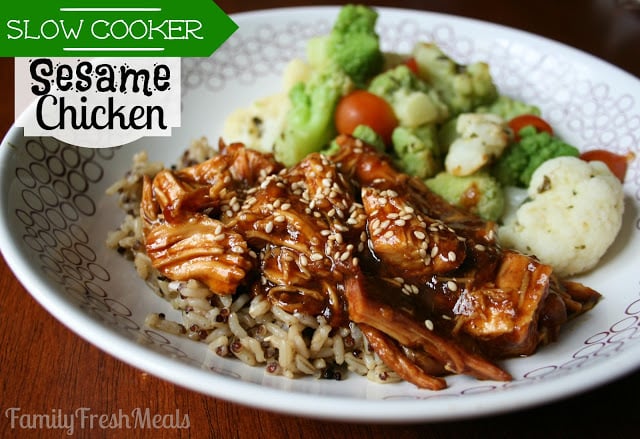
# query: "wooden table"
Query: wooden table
{"points": [[45, 367]]}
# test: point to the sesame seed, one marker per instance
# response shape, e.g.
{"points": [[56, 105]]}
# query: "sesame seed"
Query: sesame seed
{"points": [[268, 228], [451, 285], [316, 256], [452, 256], [418, 234], [429, 324], [279, 219]]}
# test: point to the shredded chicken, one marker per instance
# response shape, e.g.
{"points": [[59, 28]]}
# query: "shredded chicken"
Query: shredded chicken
{"points": [[350, 238]]}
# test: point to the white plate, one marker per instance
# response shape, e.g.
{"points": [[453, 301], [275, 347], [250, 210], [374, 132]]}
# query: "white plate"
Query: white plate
{"points": [[55, 216]]}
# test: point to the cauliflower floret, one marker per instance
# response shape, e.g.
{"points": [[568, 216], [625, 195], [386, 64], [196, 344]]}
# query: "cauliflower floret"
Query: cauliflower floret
{"points": [[573, 216], [259, 124], [481, 138], [262, 122], [296, 70]]}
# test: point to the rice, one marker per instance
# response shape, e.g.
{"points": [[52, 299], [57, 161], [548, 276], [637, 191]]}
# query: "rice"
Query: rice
{"points": [[241, 326]]}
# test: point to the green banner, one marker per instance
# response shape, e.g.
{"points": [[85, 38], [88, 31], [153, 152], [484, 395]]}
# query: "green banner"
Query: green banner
{"points": [[113, 28]]}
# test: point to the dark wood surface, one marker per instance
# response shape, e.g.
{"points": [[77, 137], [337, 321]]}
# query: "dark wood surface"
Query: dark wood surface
{"points": [[44, 367]]}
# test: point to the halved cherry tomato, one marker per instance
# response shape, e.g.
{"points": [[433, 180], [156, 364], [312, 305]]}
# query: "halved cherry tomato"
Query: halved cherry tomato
{"points": [[617, 163], [519, 122], [412, 64], [361, 107]]}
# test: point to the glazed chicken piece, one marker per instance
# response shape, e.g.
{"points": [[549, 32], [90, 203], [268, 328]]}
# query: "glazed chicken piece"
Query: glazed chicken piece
{"points": [[411, 244], [391, 322], [182, 239], [234, 165], [200, 248], [303, 222]]}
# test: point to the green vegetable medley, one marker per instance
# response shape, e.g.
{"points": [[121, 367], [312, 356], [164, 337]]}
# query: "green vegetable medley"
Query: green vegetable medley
{"points": [[448, 124]]}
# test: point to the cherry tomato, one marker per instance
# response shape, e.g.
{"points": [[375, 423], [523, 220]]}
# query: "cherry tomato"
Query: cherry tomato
{"points": [[361, 107], [617, 163], [412, 64], [519, 122]]}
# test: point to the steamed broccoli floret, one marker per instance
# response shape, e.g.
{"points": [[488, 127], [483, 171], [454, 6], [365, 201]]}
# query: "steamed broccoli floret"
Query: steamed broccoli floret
{"points": [[508, 108], [309, 121], [478, 193], [352, 45], [416, 150], [369, 136], [447, 134], [518, 162], [413, 101], [463, 87]]}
